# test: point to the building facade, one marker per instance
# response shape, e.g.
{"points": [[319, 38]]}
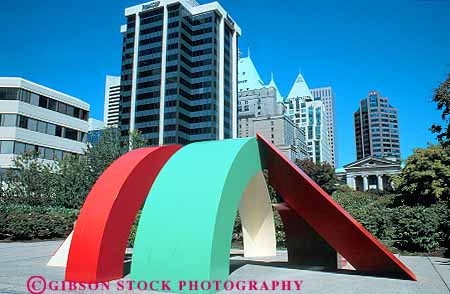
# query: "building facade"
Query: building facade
{"points": [[179, 72], [112, 100], [284, 134], [95, 130], [310, 116], [376, 128], [370, 173], [36, 118], [260, 111], [327, 96]]}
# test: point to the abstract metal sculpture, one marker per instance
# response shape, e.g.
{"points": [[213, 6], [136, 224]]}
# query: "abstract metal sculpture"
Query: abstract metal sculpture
{"points": [[186, 225]]}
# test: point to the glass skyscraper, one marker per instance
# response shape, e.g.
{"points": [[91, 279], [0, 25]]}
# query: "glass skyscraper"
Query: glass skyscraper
{"points": [[310, 115], [327, 96], [179, 72], [376, 128]]}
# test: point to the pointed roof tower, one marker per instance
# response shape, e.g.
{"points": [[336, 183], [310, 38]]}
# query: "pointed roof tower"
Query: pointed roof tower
{"points": [[300, 88], [273, 84], [248, 76]]}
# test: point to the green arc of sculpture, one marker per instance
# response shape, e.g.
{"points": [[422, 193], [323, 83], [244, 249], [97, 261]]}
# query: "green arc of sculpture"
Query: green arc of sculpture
{"points": [[186, 225]]}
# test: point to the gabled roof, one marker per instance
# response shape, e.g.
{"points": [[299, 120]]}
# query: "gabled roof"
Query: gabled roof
{"points": [[273, 84], [248, 76], [300, 88], [372, 161]]}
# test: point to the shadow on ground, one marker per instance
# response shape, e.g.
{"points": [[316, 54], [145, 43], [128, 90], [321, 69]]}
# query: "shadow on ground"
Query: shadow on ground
{"points": [[237, 264]]}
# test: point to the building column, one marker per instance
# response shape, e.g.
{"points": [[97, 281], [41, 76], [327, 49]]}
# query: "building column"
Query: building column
{"points": [[380, 182], [134, 74], [365, 182], [234, 102], [351, 182], [221, 107], [162, 93]]}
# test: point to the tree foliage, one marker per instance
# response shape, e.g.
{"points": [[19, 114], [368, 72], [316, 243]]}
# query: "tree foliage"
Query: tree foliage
{"points": [[322, 173], [426, 176], [66, 182], [31, 177], [442, 98]]}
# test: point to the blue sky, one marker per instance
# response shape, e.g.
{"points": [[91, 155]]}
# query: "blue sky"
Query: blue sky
{"points": [[401, 49]]}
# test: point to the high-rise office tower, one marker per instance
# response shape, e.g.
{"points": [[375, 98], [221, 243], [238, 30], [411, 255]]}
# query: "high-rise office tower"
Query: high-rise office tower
{"points": [[112, 100], [376, 128], [326, 95], [179, 72], [310, 115]]}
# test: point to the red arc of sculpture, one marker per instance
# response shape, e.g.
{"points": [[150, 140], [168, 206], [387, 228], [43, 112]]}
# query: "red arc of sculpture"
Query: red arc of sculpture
{"points": [[101, 233], [336, 226]]}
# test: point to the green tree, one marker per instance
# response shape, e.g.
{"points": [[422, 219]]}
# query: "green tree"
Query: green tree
{"points": [[323, 174], [66, 182], [77, 174], [28, 182], [73, 181], [426, 176], [442, 98]]}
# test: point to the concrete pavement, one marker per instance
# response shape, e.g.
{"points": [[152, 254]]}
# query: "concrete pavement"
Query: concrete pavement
{"points": [[19, 261]]}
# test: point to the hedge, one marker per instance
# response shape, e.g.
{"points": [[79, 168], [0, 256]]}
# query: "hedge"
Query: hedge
{"points": [[406, 228], [22, 222], [411, 229]]}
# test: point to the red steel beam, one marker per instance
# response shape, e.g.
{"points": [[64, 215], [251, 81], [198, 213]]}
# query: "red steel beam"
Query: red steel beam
{"points": [[327, 218], [101, 232]]}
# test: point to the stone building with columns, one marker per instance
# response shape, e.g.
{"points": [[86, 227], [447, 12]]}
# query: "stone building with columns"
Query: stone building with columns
{"points": [[370, 173]]}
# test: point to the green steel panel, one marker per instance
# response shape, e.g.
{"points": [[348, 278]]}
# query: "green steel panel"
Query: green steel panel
{"points": [[186, 225]]}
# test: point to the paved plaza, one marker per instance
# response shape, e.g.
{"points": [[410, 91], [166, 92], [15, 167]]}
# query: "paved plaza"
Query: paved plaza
{"points": [[19, 261]]}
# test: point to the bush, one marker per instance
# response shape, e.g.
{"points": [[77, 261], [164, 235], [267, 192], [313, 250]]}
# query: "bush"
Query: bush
{"points": [[343, 189], [418, 229], [370, 210], [413, 229], [279, 230], [2, 222], [22, 222], [133, 230]]}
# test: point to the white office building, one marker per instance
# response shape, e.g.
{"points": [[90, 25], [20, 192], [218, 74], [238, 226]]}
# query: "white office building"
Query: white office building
{"points": [[36, 118], [112, 100], [326, 95], [310, 115]]}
